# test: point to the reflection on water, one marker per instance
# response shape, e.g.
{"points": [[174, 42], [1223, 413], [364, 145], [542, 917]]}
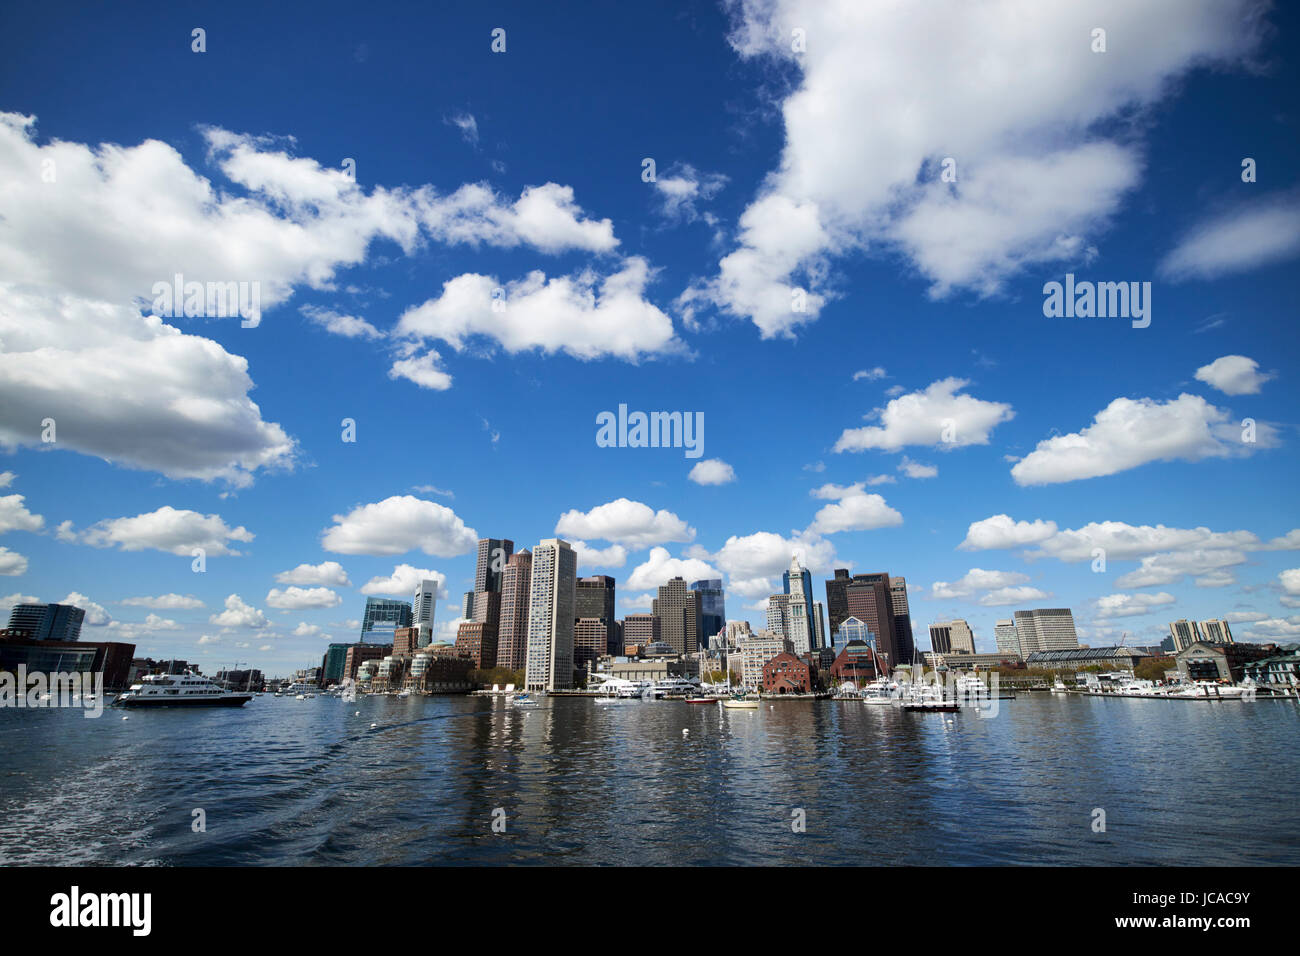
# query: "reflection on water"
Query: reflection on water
{"points": [[284, 781]]}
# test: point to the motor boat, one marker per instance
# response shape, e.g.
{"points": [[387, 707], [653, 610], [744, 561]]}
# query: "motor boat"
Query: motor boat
{"points": [[180, 690]]}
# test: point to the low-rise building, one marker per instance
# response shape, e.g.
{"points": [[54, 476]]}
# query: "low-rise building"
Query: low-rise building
{"points": [[1219, 662], [1079, 658], [787, 674], [1279, 670]]}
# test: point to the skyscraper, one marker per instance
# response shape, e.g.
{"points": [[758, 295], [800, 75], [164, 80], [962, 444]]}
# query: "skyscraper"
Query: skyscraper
{"points": [[778, 614], [512, 632], [713, 609], [952, 637], [382, 617], [594, 598], [1046, 629], [423, 605], [819, 621], [1216, 631], [1004, 632], [678, 610], [798, 589], [903, 618], [493, 556], [48, 622], [1185, 633], [549, 664], [796, 581]]}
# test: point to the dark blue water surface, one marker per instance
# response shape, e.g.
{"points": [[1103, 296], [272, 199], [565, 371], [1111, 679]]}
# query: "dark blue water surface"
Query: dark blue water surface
{"points": [[284, 781]]}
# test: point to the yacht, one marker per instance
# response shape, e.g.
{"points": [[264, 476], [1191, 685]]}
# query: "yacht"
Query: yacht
{"points": [[1209, 690], [675, 687], [180, 690], [1058, 686]]}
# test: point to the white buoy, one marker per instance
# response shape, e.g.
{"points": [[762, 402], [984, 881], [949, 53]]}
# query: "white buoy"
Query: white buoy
{"points": [[373, 726], [357, 714], [685, 732], [126, 718]]}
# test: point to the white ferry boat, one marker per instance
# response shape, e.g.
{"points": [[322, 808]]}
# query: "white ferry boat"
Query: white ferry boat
{"points": [[180, 690]]}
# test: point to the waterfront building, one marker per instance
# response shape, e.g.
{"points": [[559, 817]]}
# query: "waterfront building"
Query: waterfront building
{"points": [[1008, 641], [788, 674], [512, 631], [1219, 662], [797, 583], [332, 667], [47, 622], [382, 617], [678, 610], [902, 618], [971, 662], [640, 631], [1185, 633], [493, 557], [755, 651], [1078, 658], [423, 605], [1045, 629], [1280, 670], [113, 659], [952, 637], [431, 673], [656, 670], [360, 654], [549, 661], [713, 609], [1216, 631]]}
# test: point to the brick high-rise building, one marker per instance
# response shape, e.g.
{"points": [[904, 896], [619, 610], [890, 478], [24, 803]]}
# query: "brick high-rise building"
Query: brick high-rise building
{"points": [[641, 630], [512, 632]]}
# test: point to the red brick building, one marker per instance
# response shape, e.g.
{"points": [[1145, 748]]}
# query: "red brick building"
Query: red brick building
{"points": [[787, 674], [857, 663]]}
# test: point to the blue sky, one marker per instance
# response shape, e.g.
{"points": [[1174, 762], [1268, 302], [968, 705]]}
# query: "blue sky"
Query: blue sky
{"points": [[522, 171]]}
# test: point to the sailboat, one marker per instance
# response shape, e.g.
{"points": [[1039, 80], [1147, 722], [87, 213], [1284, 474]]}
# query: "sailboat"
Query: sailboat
{"points": [[736, 700]]}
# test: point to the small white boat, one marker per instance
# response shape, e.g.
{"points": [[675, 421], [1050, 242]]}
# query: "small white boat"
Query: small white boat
{"points": [[1058, 686], [740, 702], [524, 702]]}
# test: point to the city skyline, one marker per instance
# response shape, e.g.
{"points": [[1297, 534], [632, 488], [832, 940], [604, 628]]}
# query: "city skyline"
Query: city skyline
{"points": [[382, 414]]}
